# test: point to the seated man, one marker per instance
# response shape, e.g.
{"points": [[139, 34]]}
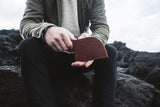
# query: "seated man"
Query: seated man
{"points": [[48, 28]]}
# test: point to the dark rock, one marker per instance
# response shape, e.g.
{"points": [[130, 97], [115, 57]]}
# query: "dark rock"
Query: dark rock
{"points": [[125, 54], [132, 92], [123, 64], [75, 89], [154, 78], [143, 65], [11, 89], [9, 41], [122, 70]]}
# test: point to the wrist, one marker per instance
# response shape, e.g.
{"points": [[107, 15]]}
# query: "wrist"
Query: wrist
{"points": [[44, 32]]}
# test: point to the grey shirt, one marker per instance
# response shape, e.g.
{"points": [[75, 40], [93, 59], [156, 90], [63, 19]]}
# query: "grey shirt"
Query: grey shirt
{"points": [[70, 16]]}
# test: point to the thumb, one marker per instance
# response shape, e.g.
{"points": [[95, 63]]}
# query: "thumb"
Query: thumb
{"points": [[71, 36], [83, 35], [87, 64]]}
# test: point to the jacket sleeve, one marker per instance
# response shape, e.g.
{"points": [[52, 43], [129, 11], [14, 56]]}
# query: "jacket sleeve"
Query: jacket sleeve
{"points": [[32, 23], [99, 26]]}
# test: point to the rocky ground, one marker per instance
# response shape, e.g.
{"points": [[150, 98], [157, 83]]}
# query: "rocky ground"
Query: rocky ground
{"points": [[143, 65], [137, 80], [9, 40]]}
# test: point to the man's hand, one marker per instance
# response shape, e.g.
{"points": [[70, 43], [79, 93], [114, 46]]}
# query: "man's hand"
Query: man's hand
{"points": [[59, 39], [78, 63]]}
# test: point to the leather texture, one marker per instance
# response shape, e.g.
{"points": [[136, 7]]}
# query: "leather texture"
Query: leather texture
{"points": [[88, 48]]}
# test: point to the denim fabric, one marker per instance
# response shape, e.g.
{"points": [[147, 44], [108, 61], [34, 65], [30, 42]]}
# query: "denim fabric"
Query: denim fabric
{"points": [[40, 64]]}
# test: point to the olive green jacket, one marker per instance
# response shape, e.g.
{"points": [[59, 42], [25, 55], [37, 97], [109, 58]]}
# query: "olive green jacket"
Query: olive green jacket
{"points": [[40, 14]]}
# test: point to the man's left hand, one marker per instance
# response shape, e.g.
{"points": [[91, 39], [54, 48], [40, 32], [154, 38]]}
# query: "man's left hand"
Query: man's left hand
{"points": [[79, 63]]}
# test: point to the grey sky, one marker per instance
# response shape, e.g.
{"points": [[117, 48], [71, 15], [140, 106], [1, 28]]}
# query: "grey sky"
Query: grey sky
{"points": [[135, 22]]}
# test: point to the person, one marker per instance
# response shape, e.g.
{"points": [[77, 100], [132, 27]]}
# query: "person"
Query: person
{"points": [[48, 28]]}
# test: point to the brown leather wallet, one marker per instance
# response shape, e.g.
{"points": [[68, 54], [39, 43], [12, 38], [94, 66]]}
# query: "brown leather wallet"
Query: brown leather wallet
{"points": [[88, 48]]}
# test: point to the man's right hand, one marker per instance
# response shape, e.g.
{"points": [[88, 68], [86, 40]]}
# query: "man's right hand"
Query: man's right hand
{"points": [[59, 39]]}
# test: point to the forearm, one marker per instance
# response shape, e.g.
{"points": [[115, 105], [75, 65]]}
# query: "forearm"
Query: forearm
{"points": [[29, 28], [99, 26], [32, 23], [101, 34]]}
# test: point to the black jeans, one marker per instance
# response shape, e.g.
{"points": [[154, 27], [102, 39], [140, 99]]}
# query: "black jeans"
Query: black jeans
{"points": [[38, 60]]}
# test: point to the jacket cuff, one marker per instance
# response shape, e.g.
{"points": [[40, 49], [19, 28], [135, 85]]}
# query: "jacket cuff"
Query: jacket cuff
{"points": [[37, 31], [44, 32]]}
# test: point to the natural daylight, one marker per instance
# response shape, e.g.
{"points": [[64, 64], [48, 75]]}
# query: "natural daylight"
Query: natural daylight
{"points": [[79, 53]]}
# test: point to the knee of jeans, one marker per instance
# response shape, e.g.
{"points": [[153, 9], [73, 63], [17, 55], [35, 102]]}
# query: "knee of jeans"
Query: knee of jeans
{"points": [[111, 50], [26, 45]]}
